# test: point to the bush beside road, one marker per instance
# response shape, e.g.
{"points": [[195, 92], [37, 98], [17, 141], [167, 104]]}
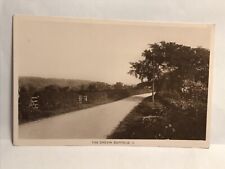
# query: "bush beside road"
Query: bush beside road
{"points": [[55, 100], [166, 119]]}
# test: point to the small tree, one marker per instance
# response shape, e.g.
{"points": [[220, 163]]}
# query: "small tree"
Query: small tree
{"points": [[148, 69], [118, 85]]}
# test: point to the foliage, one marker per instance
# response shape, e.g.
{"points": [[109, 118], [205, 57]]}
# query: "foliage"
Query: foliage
{"points": [[57, 99], [119, 85], [170, 62], [180, 74], [164, 121]]}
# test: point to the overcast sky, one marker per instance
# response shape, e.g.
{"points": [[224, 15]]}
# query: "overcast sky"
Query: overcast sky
{"points": [[98, 51]]}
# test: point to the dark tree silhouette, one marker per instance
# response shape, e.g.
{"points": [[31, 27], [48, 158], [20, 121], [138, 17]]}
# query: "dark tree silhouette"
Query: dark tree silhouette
{"points": [[118, 85], [172, 62]]}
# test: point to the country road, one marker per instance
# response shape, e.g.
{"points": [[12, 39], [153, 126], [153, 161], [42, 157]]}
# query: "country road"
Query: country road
{"points": [[95, 122]]}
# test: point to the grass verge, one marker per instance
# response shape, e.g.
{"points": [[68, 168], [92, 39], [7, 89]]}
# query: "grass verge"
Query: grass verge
{"points": [[160, 121]]}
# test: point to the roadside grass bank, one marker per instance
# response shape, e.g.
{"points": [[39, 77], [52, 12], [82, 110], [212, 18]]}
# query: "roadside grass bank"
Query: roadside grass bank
{"points": [[166, 119], [187, 115]]}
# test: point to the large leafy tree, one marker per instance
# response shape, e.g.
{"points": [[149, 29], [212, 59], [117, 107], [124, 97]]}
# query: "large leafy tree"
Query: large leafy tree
{"points": [[171, 61]]}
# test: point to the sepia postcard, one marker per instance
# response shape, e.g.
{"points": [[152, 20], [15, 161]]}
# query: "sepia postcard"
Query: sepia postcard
{"points": [[111, 82]]}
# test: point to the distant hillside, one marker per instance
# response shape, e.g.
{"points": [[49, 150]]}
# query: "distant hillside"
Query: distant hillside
{"points": [[39, 82]]}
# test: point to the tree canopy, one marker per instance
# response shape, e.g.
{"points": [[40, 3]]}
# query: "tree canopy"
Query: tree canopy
{"points": [[172, 62]]}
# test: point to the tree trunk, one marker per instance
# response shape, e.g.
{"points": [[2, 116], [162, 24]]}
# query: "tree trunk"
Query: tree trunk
{"points": [[153, 91]]}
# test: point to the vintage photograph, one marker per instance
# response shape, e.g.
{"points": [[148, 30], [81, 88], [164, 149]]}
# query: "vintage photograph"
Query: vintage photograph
{"points": [[100, 82]]}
